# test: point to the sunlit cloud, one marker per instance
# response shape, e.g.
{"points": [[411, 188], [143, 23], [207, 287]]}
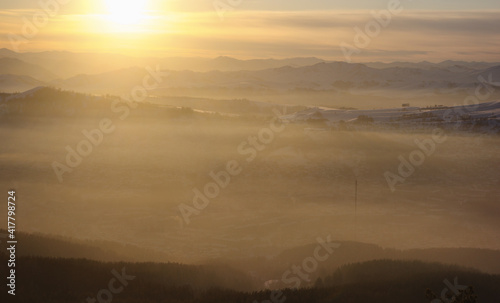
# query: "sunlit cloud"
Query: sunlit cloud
{"points": [[412, 35]]}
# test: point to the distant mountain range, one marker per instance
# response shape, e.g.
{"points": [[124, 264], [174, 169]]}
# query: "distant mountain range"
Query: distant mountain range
{"points": [[327, 77], [68, 64], [17, 67], [18, 83], [226, 77]]}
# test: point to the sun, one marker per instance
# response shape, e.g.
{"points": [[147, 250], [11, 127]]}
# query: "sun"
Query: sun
{"points": [[126, 12]]}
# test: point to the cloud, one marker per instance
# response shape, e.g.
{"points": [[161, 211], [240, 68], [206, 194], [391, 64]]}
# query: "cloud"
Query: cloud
{"points": [[411, 36]]}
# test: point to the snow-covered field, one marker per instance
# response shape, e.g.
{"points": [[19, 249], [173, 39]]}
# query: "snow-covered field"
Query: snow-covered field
{"points": [[488, 110]]}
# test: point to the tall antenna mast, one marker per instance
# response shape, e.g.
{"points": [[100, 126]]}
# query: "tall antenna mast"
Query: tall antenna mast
{"points": [[355, 197], [355, 209]]}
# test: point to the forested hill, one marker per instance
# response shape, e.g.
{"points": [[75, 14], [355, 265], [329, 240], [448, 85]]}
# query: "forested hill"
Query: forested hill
{"points": [[75, 280]]}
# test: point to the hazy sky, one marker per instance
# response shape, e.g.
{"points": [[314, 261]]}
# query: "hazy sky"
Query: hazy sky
{"points": [[280, 5], [430, 30]]}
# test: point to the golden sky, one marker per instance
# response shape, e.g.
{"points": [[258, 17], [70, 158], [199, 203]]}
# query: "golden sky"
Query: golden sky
{"points": [[246, 30]]}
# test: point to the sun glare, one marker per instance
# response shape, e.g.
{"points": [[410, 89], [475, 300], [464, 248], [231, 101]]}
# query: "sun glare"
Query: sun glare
{"points": [[126, 12]]}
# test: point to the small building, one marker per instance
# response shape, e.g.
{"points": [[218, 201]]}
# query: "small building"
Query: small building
{"points": [[406, 105]]}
